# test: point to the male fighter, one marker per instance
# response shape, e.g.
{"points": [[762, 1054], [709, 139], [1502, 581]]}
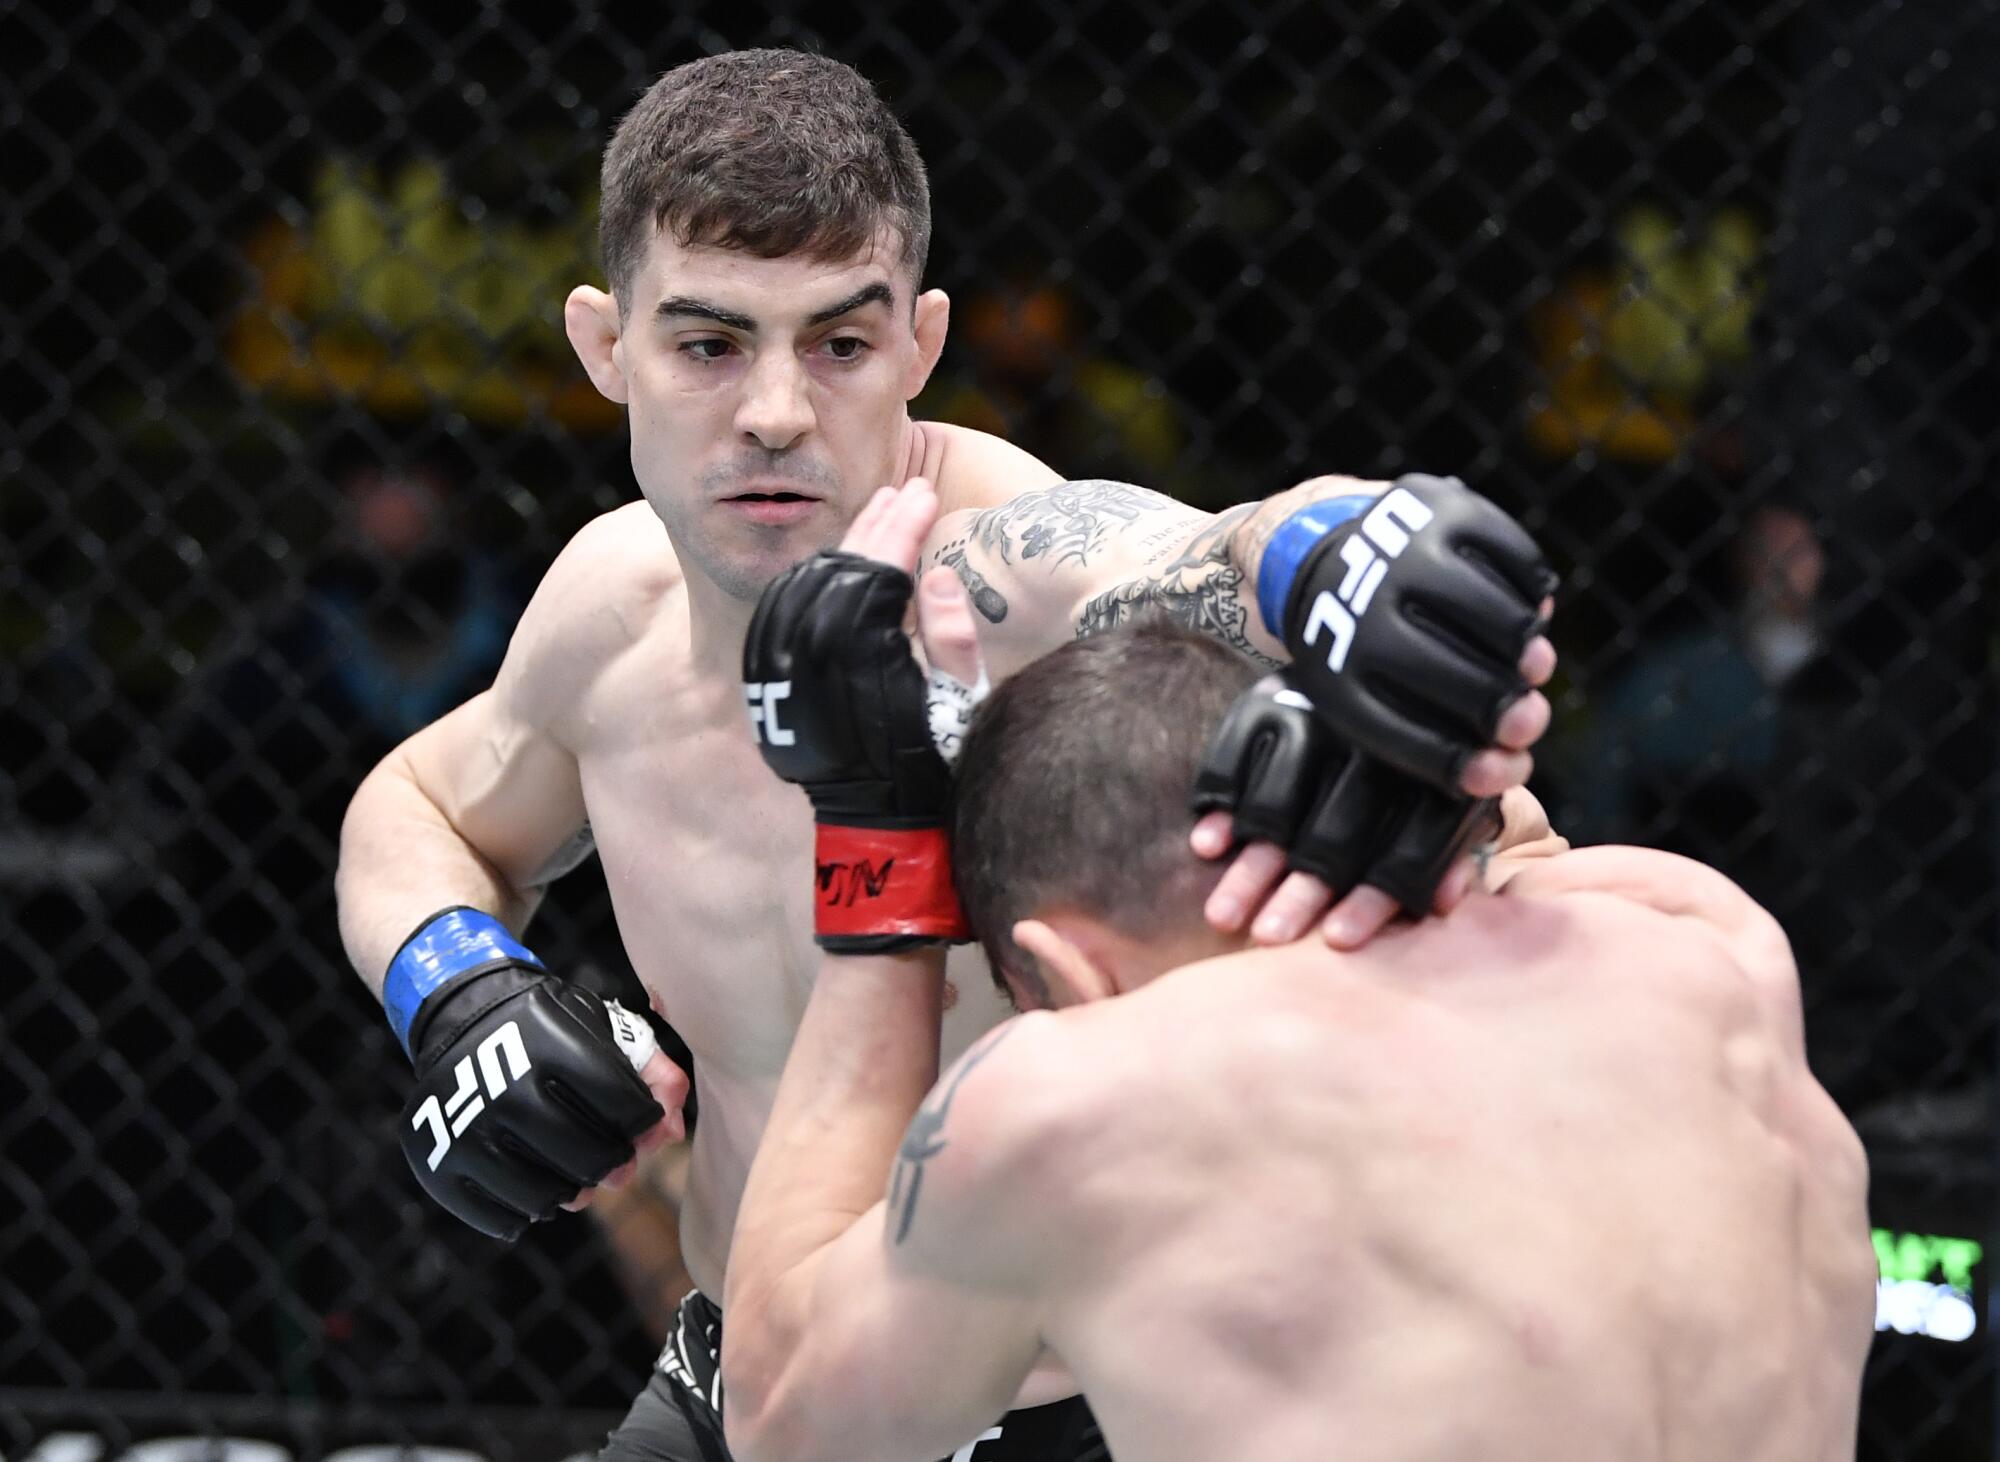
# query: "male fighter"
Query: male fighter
{"points": [[765, 221], [1548, 1177]]}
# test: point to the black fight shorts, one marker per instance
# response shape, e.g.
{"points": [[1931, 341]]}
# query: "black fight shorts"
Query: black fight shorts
{"points": [[678, 1417]]}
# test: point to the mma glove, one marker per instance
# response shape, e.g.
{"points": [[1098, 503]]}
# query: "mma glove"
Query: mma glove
{"points": [[527, 1087], [839, 708], [1286, 778], [1406, 617]]}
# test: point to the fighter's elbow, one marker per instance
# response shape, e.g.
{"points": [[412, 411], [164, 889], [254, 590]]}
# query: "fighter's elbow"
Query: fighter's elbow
{"points": [[754, 1382], [762, 1417]]}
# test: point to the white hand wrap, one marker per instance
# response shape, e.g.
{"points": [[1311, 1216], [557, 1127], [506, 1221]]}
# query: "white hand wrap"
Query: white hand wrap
{"points": [[952, 703], [633, 1035]]}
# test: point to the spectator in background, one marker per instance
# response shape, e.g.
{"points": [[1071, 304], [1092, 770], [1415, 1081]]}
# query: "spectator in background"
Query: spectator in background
{"points": [[1880, 329], [1698, 720]]}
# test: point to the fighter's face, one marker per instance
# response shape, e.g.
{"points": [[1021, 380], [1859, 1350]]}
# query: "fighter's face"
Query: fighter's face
{"points": [[767, 398]]}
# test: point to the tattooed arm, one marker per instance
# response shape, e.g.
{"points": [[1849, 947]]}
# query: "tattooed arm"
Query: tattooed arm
{"points": [[1077, 557], [870, 1327]]}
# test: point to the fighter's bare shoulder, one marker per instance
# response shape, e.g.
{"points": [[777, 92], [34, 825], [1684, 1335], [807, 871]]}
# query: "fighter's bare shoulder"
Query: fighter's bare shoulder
{"points": [[597, 600], [1663, 881], [1686, 890], [972, 469], [981, 1165]]}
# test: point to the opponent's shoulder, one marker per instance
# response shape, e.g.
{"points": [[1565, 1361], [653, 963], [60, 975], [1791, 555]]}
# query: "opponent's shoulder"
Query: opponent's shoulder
{"points": [[1663, 881], [978, 1181], [972, 470], [598, 598], [1703, 897]]}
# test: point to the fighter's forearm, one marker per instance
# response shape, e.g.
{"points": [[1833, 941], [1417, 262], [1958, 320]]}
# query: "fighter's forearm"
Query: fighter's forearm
{"points": [[1247, 537], [865, 1055], [1208, 579], [401, 861]]}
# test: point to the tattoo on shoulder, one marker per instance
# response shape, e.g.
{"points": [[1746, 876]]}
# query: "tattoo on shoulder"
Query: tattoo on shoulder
{"points": [[1202, 589], [924, 1138]]}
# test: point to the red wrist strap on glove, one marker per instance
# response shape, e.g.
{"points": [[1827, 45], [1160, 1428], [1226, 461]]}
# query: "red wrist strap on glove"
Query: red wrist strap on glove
{"points": [[880, 880]]}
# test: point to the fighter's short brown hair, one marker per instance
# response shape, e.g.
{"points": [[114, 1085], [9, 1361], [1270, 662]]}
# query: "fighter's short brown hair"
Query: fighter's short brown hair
{"points": [[771, 151], [1073, 786]]}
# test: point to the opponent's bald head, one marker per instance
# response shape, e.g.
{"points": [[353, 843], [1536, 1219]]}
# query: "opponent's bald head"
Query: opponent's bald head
{"points": [[1072, 789]]}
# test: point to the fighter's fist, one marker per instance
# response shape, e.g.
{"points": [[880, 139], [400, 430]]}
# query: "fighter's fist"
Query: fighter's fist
{"points": [[1407, 617], [528, 1089], [1343, 818], [839, 707]]}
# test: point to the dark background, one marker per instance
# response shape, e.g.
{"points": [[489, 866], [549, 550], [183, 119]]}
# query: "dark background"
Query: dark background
{"points": [[1704, 292]]}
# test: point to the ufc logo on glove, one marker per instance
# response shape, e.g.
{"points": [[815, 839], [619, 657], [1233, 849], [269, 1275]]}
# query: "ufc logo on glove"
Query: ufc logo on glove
{"points": [[1385, 532], [466, 1103], [761, 699]]}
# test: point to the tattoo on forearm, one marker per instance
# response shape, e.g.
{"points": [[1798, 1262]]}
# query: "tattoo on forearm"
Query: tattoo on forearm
{"points": [[924, 1138], [1201, 589], [1065, 522], [988, 600]]}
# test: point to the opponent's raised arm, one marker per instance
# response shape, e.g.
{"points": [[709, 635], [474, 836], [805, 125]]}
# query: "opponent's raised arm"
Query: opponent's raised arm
{"points": [[849, 1336], [1414, 609], [444, 851]]}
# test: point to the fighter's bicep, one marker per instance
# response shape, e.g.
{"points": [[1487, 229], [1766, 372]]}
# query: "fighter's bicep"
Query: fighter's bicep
{"points": [[1032, 563], [506, 786]]}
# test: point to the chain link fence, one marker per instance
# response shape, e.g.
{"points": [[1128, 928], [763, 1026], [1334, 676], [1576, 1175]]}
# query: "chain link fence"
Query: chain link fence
{"points": [[1704, 291]]}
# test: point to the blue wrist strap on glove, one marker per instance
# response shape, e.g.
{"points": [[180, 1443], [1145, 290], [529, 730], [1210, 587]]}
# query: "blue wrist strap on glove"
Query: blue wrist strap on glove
{"points": [[1289, 546], [449, 944]]}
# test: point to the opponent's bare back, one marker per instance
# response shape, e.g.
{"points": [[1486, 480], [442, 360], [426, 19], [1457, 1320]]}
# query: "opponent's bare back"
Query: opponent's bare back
{"points": [[1547, 1178]]}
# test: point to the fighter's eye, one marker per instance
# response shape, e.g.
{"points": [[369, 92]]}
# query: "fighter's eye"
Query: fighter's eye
{"points": [[846, 347], [709, 347]]}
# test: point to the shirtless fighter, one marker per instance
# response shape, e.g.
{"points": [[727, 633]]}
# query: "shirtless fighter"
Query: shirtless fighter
{"points": [[765, 221], [1545, 1178]]}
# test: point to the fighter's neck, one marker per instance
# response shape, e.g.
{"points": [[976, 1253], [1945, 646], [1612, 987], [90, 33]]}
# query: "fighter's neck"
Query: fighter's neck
{"points": [[717, 624]]}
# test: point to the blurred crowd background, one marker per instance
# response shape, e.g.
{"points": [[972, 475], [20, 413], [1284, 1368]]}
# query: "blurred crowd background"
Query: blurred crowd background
{"points": [[1704, 292]]}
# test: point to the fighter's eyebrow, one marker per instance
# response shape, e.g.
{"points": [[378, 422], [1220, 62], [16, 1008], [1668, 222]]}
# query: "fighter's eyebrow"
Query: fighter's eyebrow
{"points": [[868, 294], [680, 304]]}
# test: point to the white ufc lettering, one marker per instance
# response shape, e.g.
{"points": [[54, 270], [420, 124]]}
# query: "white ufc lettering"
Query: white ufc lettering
{"points": [[964, 1453], [465, 1102], [762, 700], [1387, 530]]}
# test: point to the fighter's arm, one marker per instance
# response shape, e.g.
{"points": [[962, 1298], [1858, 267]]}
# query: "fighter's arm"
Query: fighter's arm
{"points": [[444, 851], [871, 1327], [1073, 558], [484, 807]]}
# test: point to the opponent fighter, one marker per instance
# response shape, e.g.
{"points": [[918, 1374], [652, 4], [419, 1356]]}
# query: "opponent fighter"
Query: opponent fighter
{"points": [[765, 221], [1546, 1177]]}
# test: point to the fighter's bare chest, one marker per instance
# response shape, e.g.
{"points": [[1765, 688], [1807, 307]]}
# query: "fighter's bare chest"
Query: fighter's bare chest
{"points": [[708, 859]]}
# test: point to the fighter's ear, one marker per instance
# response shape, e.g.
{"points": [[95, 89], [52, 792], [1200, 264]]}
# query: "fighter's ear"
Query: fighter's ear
{"points": [[590, 317], [1064, 953], [933, 319]]}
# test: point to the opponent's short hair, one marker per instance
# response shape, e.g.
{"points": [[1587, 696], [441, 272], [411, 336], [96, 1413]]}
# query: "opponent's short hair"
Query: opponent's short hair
{"points": [[1072, 788], [772, 151]]}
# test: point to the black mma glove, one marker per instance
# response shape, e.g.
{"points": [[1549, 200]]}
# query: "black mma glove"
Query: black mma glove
{"points": [[1286, 778], [1406, 617], [838, 706], [527, 1087]]}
